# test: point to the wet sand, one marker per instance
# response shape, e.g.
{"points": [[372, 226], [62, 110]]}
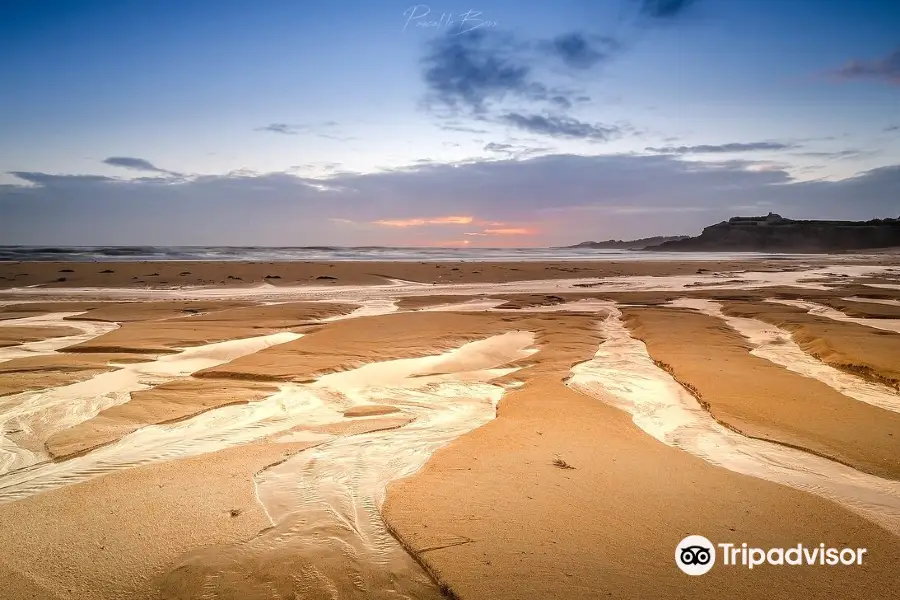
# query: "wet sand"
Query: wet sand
{"points": [[864, 308], [180, 273], [352, 343], [166, 335], [173, 484], [493, 517], [13, 336], [115, 534], [31, 419], [763, 400], [164, 403], [55, 369], [870, 302], [857, 349]]}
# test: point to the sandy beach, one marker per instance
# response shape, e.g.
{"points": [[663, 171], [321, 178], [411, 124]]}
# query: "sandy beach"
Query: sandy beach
{"points": [[242, 274], [527, 430], [536, 300]]}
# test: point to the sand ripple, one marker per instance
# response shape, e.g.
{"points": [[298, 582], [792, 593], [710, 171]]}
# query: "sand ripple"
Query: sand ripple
{"points": [[324, 502], [326, 498], [623, 375], [820, 310], [776, 345], [27, 419], [89, 330]]}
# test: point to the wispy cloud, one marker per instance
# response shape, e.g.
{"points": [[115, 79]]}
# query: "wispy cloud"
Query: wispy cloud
{"points": [[839, 154], [562, 127], [418, 222], [731, 148], [890, 128], [463, 129], [495, 147], [282, 128], [514, 151], [323, 130], [663, 10], [885, 69], [50, 179], [136, 164], [580, 50]]}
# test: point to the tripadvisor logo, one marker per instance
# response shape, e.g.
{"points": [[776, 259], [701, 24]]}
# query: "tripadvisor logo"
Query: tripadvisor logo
{"points": [[696, 555]]}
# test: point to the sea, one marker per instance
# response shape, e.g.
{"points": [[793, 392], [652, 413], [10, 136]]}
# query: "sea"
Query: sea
{"points": [[364, 253]]}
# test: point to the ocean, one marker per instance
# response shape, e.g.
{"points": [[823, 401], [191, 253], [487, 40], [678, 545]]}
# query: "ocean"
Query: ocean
{"points": [[335, 253]]}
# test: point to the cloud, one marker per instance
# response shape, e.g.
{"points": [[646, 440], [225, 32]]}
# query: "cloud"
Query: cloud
{"points": [[562, 127], [322, 130], [418, 222], [49, 180], [475, 74], [663, 10], [722, 148], [890, 128], [885, 69], [137, 164], [491, 76], [282, 128], [515, 151], [840, 154], [565, 199], [463, 129], [495, 147], [581, 51], [466, 72]]}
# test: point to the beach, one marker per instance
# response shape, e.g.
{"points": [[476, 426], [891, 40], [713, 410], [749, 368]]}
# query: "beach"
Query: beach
{"points": [[475, 429]]}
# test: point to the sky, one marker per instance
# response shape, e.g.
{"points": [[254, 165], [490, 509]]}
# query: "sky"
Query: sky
{"points": [[475, 123]]}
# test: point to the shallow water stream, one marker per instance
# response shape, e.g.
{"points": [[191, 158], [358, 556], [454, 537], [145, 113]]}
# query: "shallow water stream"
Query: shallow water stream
{"points": [[327, 538], [777, 345], [623, 375]]}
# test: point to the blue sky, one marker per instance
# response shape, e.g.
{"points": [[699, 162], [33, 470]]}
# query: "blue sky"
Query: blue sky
{"points": [[515, 124]]}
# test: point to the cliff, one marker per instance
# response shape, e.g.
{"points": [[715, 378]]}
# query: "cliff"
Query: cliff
{"points": [[773, 233]]}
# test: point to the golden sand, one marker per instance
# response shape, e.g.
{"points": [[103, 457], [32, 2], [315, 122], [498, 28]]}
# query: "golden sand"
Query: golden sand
{"points": [[761, 399], [166, 335], [165, 403], [13, 336], [493, 517], [39, 372], [180, 273], [561, 496], [857, 349]]}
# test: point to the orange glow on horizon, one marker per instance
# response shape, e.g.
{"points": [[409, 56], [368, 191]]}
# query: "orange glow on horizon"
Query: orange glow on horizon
{"points": [[509, 231], [448, 244], [450, 220], [496, 235]]}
